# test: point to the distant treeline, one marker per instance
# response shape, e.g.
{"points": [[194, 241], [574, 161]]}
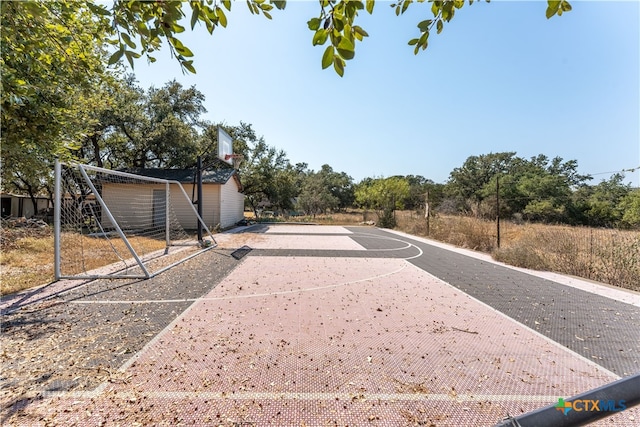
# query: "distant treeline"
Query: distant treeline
{"points": [[126, 126], [537, 190]]}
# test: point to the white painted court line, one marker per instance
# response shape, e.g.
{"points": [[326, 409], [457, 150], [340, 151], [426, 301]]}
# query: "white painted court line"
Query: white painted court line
{"points": [[305, 242], [307, 229], [258, 295], [623, 295], [387, 397], [559, 346], [256, 269], [288, 241]]}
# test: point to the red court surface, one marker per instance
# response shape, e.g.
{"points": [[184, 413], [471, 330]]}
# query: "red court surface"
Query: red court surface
{"points": [[315, 341]]}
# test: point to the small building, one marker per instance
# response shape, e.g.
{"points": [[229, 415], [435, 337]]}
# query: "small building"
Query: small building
{"points": [[222, 197], [16, 206]]}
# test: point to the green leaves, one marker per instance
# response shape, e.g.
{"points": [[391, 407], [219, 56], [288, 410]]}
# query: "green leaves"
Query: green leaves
{"points": [[369, 6], [260, 6], [425, 25], [130, 55], [314, 24], [442, 10], [338, 65], [336, 24], [98, 10], [320, 37], [128, 40], [327, 57], [346, 49], [153, 22], [557, 7], [116, 57], [359, 33], [222, 18], [382, 193], [53, 59], [180, 48], [138, 28]]}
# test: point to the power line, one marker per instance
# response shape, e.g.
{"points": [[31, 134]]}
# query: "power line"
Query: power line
{"points": [[632, 170]]}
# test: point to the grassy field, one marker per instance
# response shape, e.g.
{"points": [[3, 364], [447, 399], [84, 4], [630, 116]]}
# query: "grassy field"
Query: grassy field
{"points": [[27, 261], [607, 256]]}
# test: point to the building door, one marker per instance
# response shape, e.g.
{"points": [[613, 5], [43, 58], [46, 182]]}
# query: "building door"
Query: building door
{"points": [[6, 207], [159, 208]]}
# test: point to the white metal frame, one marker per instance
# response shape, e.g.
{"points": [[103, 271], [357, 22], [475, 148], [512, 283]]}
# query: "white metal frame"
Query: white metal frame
{"points": [[146, 273]]}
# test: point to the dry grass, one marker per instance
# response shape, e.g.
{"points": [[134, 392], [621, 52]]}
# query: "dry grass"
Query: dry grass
{"points": [[460, 231], [27, 264], [607, 256], [348, 217], [81, 253], [339, 218], [28, 261]]}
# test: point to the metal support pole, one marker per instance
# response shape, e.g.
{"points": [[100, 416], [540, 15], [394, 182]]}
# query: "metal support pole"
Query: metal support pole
{"points": [[57, 209], [113, 221], [199, 181], [167, 218], [611, 399]]}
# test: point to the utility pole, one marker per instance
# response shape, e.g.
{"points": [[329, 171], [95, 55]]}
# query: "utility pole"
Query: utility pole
{"points": [[498, 208]]}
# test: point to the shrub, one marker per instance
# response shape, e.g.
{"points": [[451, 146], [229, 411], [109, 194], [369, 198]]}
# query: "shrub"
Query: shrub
{"points": [[387, 219]]}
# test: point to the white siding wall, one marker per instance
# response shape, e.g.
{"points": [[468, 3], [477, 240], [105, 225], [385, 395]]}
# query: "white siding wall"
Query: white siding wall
{"points": [[133, 204], [210, 207], [232, 203]]}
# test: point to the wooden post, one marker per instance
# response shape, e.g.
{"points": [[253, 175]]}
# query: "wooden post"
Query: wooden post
{"points": [[426, 209]]}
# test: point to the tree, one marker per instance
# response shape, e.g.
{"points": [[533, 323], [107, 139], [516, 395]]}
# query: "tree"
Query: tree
{"points": [[52, 60], [469, 182], [156, 128], [547, 186], [630, 208], [339, 185], [601, 204], [325, 190], [383, 195], [267, 175], [140, 28], [418, 188], [540, 189], [315, 196]]}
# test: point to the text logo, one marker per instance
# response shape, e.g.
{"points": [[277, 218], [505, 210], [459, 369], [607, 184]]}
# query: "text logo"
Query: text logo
{"points": [[589, 405]]}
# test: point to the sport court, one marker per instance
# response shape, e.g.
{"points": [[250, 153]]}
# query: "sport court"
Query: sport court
{"points": [[328, 325]]}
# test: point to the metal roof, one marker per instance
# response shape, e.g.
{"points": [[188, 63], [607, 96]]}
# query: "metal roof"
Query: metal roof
{"points": [[186, 176]]}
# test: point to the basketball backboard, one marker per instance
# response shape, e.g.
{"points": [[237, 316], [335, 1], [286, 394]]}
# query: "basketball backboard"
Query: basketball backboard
{"points": [[225, 146]]}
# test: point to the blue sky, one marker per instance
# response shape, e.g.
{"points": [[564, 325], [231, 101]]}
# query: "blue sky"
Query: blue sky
{"points": [[500, 77]]}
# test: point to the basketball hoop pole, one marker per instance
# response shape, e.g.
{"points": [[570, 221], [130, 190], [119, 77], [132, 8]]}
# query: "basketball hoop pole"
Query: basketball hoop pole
{"points": [[199, 179]]}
